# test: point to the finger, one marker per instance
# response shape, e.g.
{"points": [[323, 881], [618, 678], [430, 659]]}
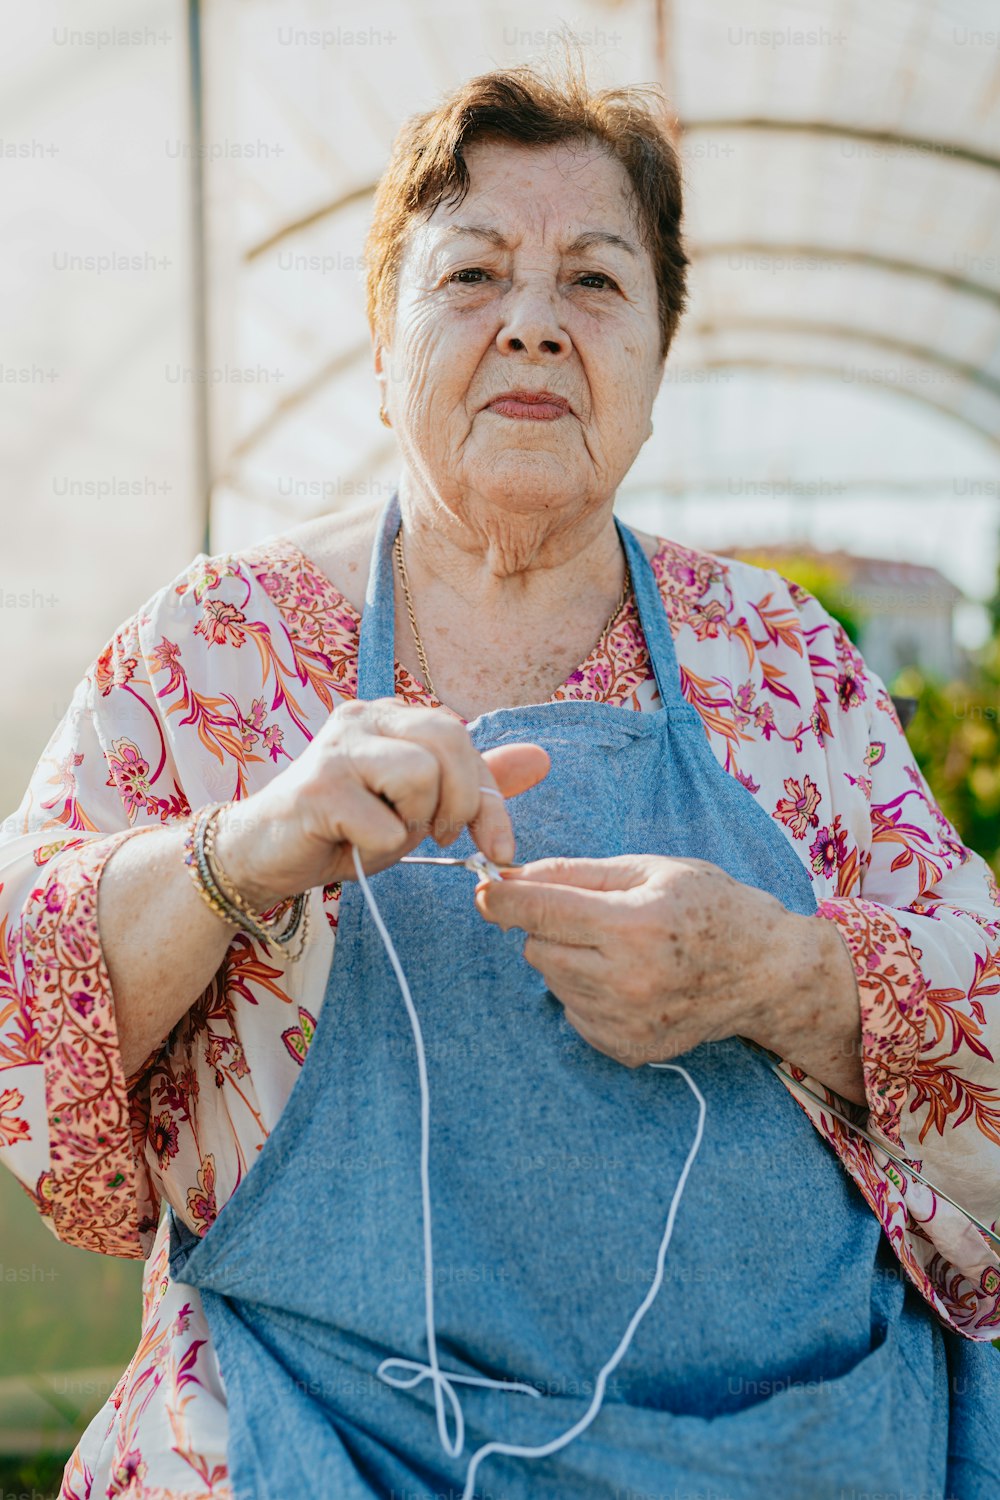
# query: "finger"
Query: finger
{"points": [[517, 767], [491, 828], [507, 770], [604, 1031], [369, 821], [445, 738], [364, 819], [504, 772], [560, 914], [619, 873], [616, 1042], [488, 780], [405, 775], [464, 774], [604, 1040], [585, 972]]}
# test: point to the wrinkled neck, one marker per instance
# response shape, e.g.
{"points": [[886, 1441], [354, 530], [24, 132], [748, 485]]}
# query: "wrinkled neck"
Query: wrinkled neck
{"points": [[502, 559]]}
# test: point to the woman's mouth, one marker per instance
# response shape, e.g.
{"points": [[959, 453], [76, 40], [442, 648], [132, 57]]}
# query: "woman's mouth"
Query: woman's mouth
{"points": [[532, 406]]}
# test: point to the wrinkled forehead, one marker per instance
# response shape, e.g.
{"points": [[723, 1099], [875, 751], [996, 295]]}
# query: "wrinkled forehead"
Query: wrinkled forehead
{"points": [[545, 196]]}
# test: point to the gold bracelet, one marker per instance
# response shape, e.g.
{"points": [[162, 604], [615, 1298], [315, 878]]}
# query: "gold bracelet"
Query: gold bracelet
{"points": [[201, 872], [292, 907], [218, 892], [205, 887], [222, 881]]}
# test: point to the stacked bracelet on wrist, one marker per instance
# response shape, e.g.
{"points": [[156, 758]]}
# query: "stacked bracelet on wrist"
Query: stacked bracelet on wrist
{"points": [[218, 892]]}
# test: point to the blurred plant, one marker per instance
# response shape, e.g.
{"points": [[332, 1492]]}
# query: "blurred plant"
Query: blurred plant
{"points": [[955, 736], [955, 732], [35, 1476]]}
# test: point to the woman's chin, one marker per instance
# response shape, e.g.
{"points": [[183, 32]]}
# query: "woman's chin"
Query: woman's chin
{"points": [[516, 480]]}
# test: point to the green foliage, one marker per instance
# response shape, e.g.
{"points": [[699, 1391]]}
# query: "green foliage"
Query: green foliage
{"points": [[61, 1308], [69, 1324], [955, 732], [955, 737], [33, 1477]]}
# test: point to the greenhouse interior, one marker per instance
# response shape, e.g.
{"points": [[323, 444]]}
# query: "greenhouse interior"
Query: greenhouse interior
{"points": [[187, 369]]}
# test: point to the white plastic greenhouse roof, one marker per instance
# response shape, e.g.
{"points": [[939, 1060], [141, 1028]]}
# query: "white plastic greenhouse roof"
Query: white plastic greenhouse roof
{"points": [[842, 163], [836, 378]]}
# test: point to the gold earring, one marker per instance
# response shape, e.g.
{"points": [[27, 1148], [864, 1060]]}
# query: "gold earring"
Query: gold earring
{"points": [[384, 416]]}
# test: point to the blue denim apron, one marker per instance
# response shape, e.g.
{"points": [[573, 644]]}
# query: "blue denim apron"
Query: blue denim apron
{"points": [[786, 1354]]}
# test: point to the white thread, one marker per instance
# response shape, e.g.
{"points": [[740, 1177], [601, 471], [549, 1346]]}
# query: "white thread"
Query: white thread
{"points": [[442, 1383]]}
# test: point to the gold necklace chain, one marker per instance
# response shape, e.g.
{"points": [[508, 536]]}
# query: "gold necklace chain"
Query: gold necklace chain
{"points": [[397, 548], [421, 656]]}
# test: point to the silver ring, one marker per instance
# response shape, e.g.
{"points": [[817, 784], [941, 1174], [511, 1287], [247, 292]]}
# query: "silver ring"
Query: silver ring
{"points": [[491, 791]]}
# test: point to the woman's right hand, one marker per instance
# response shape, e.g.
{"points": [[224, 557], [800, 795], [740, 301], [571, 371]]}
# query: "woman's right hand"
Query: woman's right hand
{"points": [[381, 775]]}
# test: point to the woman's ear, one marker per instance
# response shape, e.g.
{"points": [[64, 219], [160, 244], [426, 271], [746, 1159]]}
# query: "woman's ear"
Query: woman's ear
{"points": [[379, 366], [659, 387]]}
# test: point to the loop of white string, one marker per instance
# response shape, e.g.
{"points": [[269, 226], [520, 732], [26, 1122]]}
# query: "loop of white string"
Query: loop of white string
{"points": [[443, 1384]]}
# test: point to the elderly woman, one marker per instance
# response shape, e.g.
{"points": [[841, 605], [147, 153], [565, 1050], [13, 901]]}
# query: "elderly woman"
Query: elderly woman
{"points": [[433, 1227]]}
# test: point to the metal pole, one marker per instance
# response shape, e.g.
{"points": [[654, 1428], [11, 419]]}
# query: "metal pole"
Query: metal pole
{"points": [[663, 41], [199, 280]]}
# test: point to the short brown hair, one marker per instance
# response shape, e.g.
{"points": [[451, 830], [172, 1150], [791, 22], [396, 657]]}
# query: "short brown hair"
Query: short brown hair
{"points": [[523, 105]]}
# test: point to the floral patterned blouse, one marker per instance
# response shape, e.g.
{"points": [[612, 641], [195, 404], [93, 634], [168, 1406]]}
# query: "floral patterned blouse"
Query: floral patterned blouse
{"points": [[211, 688]]}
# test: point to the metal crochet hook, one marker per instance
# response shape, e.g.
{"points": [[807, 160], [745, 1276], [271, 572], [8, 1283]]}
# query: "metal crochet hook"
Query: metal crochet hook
{"points": [[899, 1161], [477, 863]]}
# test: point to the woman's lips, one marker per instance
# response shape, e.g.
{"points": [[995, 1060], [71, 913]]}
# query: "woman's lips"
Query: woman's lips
{"points": [[533, 406]]}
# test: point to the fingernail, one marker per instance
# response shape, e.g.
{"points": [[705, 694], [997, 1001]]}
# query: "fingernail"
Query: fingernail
{"points": [[503, 848]]}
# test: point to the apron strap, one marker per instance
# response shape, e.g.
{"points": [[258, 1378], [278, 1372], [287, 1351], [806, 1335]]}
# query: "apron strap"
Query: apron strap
{"points": [[377, 641], [654, 622]]}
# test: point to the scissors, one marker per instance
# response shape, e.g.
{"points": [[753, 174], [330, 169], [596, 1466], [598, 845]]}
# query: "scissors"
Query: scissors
{"points": [[477, 863]]}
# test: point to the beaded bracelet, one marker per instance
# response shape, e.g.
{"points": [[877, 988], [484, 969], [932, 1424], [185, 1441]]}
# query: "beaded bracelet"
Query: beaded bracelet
{"points": [[295, 905], [225, 886], [226, 902], [219, 893]]}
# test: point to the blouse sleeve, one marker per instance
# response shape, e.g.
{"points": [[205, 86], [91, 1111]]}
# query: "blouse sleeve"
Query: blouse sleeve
{"points": [[72, 1125], [202, 695], [920, 914]]}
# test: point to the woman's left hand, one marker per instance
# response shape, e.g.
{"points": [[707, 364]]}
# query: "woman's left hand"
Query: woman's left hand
{"points": [[651, 955]]}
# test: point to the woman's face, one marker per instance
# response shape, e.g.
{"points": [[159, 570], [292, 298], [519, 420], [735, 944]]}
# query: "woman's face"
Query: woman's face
{"points": [[537, 282]]}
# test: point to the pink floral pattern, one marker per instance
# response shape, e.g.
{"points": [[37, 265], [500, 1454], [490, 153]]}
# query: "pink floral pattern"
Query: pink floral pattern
{"points": [[797, 809], [63, 1023], [13, 1126], [893, 1005], [205, 693]]}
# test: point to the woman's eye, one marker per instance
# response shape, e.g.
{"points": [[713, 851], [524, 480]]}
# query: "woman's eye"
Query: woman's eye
{"points": [[603, 281], [469, 275]]}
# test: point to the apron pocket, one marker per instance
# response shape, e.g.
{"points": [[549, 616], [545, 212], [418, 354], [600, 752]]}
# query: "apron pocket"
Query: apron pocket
{"points": [[863, 1432]]}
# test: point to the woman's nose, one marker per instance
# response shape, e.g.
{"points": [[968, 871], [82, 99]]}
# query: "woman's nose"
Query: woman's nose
{"points": [[531, 326]]}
